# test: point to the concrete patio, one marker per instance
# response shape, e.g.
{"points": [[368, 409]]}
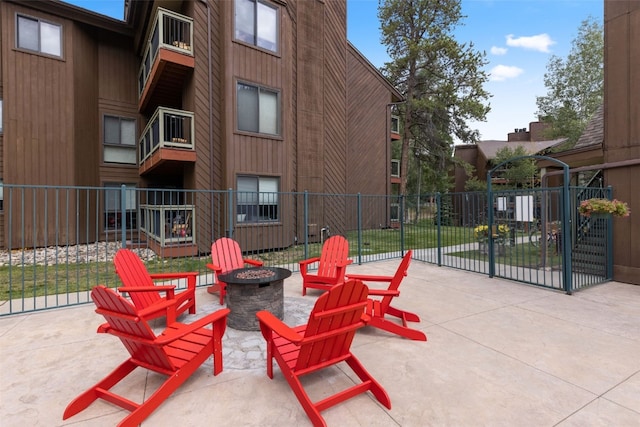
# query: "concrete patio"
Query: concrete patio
{"points": [[499, 353]]}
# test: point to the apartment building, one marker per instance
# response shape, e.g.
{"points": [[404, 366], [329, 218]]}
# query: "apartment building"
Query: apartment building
{"points": [[262, 96]]}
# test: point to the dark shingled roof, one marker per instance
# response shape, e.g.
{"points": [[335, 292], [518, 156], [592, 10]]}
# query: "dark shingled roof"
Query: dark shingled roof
{"points": [[594, 132]]}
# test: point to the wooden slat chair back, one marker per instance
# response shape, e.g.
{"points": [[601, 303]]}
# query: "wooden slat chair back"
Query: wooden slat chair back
{"points": [[140, 286], [226, 255], [132, 272], [136, 334], [332, 264], [177, 353], [324, 341], [378, 308], [394, 283]]}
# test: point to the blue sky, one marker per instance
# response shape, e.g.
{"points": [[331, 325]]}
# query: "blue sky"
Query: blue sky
{"points": [[519, 36]]}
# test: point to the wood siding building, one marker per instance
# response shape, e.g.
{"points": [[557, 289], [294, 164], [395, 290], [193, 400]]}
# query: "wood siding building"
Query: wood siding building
{"points": [[622, 130], [214, 100]]}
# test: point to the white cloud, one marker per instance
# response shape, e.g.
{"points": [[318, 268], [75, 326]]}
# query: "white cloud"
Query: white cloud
{"points": [[501, 73], [540, 42], [495, 50]]}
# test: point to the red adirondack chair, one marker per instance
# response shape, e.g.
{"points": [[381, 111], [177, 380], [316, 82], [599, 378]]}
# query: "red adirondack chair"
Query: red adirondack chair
{"points": [[139, 284], [377, 309], [226, 256], [332, 264], [176, 353], [324, 341]]}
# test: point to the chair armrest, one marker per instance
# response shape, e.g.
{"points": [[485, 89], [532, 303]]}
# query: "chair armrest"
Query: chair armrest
{"points": [[215, 268], [169, 289], [269, 322], [383, 292], [189, 275], [309, 261], [186, 329], [253, 262], [162, 276], [369, 278], [344, 263], [312, 278], [303, 265], [168, 305]]}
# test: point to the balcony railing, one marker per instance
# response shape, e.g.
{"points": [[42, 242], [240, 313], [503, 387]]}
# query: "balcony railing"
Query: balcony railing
{"points": [[168, 128], [169, 224], [170, 31]]}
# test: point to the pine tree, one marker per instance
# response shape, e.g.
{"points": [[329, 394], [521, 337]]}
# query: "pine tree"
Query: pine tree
{"points": [[440, 78]]}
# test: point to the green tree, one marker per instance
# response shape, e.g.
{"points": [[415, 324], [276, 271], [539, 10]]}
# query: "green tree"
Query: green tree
{"points": [[575, 85], [522, 173], [474, 184], [440, 78]]}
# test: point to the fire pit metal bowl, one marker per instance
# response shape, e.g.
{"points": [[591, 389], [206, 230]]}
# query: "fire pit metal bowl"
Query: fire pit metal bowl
{"points": [[250, 290]]}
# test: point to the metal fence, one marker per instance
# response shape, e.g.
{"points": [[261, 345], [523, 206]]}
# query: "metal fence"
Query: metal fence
{"points": [[58, 242]]}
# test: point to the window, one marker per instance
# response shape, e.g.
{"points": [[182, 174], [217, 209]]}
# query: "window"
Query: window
{"points": [[395, 168], [119, 140], [395, 124], [257, 24], [113, 207], [39, 36], [257, 199], [1, 195], [258, 109], [394, 214]]}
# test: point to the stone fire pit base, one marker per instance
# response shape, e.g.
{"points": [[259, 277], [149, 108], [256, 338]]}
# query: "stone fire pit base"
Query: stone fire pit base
{"points": [[245, 300]]}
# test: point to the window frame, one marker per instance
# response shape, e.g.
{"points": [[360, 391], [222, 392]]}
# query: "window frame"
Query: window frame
{"points": [[39, 23], [119, 145], [255, 43], [132, 214], [395, 124], [395, 162], [260, 89], [394, 212], [256, 212], [1, 121]]}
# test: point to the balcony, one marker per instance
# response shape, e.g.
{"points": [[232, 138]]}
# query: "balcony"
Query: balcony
{"points": [[167, 139], [168, 58], [169, 229]]}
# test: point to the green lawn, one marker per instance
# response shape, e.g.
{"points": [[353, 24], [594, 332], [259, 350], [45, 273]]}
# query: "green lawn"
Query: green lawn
{"points": [[522, 255], [62, 278]]}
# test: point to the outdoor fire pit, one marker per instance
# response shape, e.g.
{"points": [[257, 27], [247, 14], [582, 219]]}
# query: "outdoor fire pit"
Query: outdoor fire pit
{"points": [[250, 290]]}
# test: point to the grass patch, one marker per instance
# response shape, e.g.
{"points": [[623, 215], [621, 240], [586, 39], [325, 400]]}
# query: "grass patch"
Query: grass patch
{"points": [[30, 281], [521, 255]]}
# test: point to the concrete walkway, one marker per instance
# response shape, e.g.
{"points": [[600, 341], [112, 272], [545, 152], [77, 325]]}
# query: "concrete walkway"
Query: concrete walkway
{"points": [[499, 354]]}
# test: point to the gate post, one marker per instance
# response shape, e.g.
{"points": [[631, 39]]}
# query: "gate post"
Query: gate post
{"points": [[565, 240], [492, 255]]}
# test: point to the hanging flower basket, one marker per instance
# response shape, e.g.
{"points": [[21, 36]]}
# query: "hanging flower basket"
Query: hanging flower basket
{"points": [[603, 207]]}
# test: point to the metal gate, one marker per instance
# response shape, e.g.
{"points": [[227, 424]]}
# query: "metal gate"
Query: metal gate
{"points": [[537, 236]]}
